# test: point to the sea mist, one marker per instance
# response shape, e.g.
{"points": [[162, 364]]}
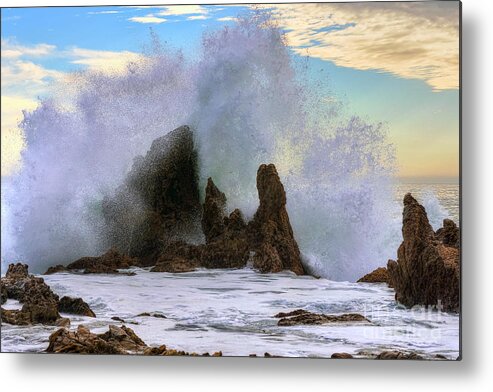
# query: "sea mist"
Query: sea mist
{"points": [[249, 102]]}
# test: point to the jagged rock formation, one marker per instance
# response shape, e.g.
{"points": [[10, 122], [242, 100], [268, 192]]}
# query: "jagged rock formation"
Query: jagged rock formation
{"points": [[427, 270], [117, 340], [213, 214], [40, 305], [230, 240], [159, 200], [270, 230], [304, 317], [75, 306], [380, 275], [449, 234], [155, 216]]}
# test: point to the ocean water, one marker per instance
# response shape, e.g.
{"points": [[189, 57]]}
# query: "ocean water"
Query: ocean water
{"points": [[441, 200], [232, 311]]}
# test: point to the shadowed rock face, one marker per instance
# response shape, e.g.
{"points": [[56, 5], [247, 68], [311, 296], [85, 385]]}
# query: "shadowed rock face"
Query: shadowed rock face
{"points": [[230, 241], [213, 214], [449, 234], [108, 263], [159, 200], [75, 306], [427, 271], [155, 218]]}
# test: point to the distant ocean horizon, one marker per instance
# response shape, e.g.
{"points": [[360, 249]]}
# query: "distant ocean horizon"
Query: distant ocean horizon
{"points": [[439, 195]]}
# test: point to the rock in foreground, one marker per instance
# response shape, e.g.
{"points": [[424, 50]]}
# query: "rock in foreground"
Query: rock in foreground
{"points": [[397, 355], [427, 270], [117, 340], [303, 317], [40, 305]]}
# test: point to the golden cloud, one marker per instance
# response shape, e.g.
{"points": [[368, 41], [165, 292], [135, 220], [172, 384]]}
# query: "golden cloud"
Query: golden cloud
{"points": [[409, 40]]}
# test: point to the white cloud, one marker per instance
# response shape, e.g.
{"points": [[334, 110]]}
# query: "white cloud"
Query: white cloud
{"points": [[197, 17], [182, 10], [410, 40], [12, 50], [103, 60], [104, 12], [148, 19], [227, 19]]}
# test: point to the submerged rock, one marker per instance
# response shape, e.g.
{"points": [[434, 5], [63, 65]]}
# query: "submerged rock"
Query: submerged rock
{"points": [[55, 269], [427, 270], [108, 263], [380, 275], [303, 317], [174, 264], [397, 355], [158, 201], [341, 356], [75, 306]]}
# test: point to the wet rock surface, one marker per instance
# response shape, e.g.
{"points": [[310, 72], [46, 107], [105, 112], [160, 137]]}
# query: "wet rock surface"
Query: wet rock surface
{"points": [[427, 270], [380, 275], [55, 269], [117, 340], [75, 306], [174, 264], [303, 317], [40, 305], [271, 230], [108, 263], [230, 241], [449, 234], [341, 356], [398, 355]]}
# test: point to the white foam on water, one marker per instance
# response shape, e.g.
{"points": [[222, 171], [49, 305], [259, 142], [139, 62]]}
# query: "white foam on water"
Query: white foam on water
{"points": [[232, 311]]}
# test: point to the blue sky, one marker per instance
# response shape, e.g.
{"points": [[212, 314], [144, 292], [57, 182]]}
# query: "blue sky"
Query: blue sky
{"points": [[397, 64]]}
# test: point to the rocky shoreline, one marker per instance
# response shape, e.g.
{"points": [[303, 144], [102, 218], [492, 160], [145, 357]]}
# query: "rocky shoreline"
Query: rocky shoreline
{"points": [[157, 210]]}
